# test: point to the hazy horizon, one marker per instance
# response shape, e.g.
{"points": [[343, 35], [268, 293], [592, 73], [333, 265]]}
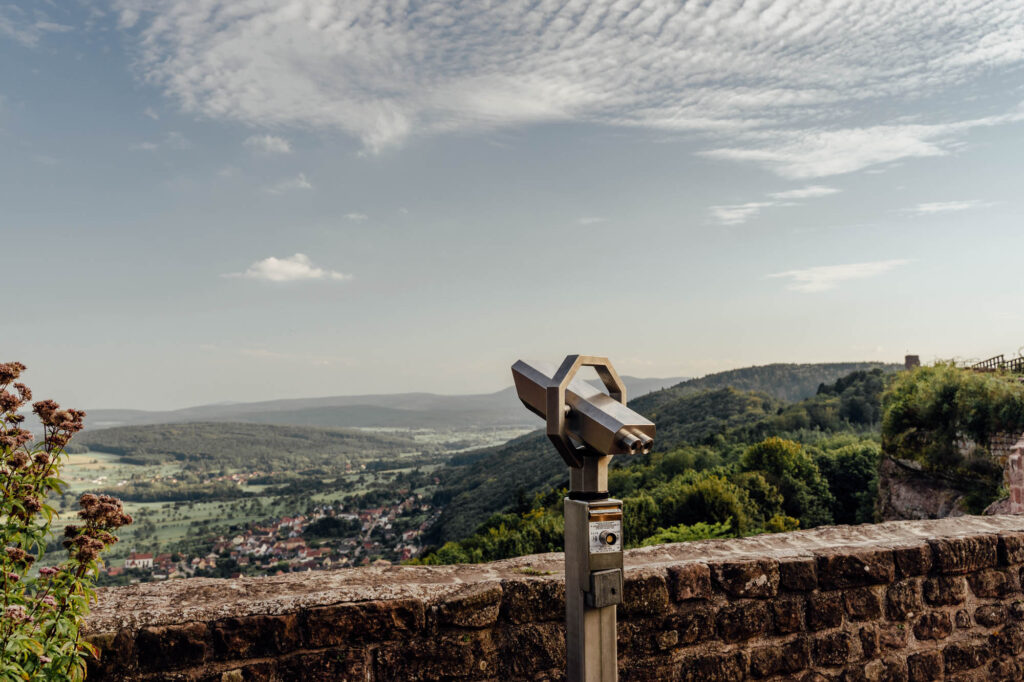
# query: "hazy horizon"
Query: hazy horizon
{"points": [[232, 201]]}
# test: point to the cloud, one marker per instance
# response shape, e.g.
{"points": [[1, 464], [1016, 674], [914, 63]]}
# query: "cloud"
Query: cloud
{"points": [[810, 192], [591, 220], [171, 140], [294, 268], [815, 153], [16, 25], [768, 80], [357, 217], [151, 112], [737, 214], [268, 144], [825, 277], [300, 181], [946, 206]]}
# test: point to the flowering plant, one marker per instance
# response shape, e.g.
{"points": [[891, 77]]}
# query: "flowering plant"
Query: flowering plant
{"points": [[43, 610]]}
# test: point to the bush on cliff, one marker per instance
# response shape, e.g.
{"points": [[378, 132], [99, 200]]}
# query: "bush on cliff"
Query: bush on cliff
{"points": [[930, 413], [44, 608]]}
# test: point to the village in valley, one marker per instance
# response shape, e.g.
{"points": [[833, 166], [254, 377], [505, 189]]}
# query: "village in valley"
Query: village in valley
{"points": [[330, 537]]}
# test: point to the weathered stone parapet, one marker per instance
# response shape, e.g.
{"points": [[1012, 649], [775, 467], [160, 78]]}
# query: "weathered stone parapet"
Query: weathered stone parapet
{"points": [[909, 600]]}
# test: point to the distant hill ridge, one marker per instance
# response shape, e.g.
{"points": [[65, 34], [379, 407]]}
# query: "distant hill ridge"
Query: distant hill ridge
{"points": [[399, 410]]}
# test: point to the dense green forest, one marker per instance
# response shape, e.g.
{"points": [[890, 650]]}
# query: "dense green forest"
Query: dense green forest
{"points": [[783, 381], [735, 463], [251, 447], [707, 411]]}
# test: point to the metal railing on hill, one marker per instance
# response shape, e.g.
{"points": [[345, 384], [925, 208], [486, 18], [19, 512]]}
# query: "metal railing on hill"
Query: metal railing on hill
{"points": [[1000, 363]]}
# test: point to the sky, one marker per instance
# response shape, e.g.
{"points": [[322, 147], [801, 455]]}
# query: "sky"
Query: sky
{"points": [[233, 200]]}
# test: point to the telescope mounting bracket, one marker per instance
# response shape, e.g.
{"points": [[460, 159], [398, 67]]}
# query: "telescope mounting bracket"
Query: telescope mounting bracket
{"points": [[556, 408]]}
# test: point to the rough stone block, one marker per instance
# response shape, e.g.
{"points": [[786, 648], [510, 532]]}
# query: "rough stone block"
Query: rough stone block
{"points": [[853, 567], [913, 560], [755, 578], [890, 670], [116, 652], [1010, 671], [964, 554], [693, 623], [255, 636], [990, 615], [963, 620], [344, 665], [832, 650], [892, 637], [925, 666], [525, 649], [869, 646], [743, 620], [173, 647], [689, 581], [469, 654], [862, 604], [1011, 548], [935, 625], [645, 593], [903, 600], [789, 614], [1007, 642], [824, 610], [945, 590], [991, 584], [791, 657], [798, 574], [532, 600], [1017, 609], [667, 639], [343, 624], [961, 656], [713, 667], [477, 606], [635, 636]]}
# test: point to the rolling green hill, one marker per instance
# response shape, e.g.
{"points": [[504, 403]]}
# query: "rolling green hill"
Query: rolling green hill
{"points": [[789, 382], [249, 446], [737, 405]]}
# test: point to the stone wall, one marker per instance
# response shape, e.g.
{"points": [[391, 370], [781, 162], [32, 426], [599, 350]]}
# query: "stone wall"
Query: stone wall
{"points": [[908, 600]]}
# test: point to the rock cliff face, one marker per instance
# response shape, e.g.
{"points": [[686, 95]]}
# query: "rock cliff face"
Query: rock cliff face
{"points": [[907, 492], [912, 600]]}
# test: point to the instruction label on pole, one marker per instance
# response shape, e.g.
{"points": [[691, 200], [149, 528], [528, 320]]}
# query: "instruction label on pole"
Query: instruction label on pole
{"points": [[605, 536]]}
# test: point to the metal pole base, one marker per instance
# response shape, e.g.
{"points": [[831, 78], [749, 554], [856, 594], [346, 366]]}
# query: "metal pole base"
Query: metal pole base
{"points": [[590, 632]]}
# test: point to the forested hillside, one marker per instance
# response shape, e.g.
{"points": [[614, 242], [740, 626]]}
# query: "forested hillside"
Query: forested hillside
{"points": [[708, 412], [247, 446], [783, 381]]}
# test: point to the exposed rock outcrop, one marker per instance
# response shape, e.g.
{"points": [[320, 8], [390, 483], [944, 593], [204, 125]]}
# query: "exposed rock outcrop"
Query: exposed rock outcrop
{"points": [[907, 492]]}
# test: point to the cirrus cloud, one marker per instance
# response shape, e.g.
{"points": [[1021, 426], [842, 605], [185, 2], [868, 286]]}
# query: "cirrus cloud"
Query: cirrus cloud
{"points": [[930, 208], [825, 277], [291, 269], [793, 85]]}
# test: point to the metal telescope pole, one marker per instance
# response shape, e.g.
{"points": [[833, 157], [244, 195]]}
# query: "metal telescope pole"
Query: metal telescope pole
{"points": [[591, 595], [587, 427]]}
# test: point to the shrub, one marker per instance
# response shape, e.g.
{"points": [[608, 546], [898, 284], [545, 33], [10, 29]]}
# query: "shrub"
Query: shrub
{"points": [[44, 608], [928, 412]]}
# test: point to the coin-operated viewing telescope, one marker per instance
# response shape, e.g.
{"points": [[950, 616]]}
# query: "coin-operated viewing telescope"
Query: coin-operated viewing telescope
{"points": [[587, 427]]}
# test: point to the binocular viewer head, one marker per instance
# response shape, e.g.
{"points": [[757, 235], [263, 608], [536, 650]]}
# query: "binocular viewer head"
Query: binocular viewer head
{"points": [[581, 419]]}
